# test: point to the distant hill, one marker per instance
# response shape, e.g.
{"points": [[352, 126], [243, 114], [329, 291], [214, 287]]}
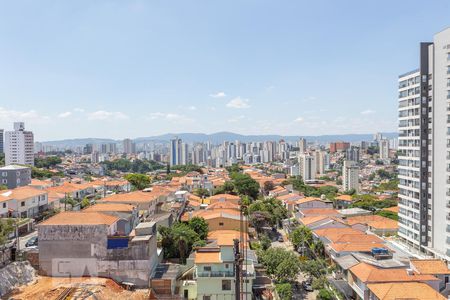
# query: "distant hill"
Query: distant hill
{"points": [[220, 137]]}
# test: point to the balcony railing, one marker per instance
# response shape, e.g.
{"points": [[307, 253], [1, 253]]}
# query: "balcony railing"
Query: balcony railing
{"points": [[215, 274]]}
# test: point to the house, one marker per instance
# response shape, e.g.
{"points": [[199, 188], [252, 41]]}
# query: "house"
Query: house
{"points": [[402, 290], [219, 219], [127, 213], [434, 267], [146, 202], [73, 190], [363, 274], [223, 205], [88, 244], [313, 212], [24, 202], [343, 201], [213, 270], [289, 201], [225, 197], [13, 176], [313, 203], [374, 223]]}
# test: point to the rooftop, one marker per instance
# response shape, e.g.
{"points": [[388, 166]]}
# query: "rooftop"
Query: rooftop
{"points": [[404, 290], [430, 266], [13, 167], [80, 218]]}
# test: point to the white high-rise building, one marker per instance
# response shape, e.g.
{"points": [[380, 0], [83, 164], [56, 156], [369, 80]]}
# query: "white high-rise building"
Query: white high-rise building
{"points": [[302, 145], [384, 149], [307, 166], [1, 141], [350, 176], [19, 146], [424, 150]]}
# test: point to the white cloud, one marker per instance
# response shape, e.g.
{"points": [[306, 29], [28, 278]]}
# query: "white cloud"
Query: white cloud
{"points": [[16, 115], [299, 120], [367, 112], [78, 109], [218, 95], [107, 115], [65, 114], [238, 102], [173, 117]]}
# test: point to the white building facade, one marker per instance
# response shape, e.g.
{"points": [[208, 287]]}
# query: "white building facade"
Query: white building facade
{"points": [[19, 146]]}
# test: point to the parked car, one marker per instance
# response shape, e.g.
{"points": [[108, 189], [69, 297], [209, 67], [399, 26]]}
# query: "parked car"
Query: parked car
{"points": [[32, 242], [307, 286]]}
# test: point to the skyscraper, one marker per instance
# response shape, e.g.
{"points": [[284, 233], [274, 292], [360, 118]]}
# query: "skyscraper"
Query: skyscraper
{"points": [[19, 146], [2, 150], [128, 146], [175, 151], [307, 166], [384, 149], [302, 145], [350, 176], [424, 150]]}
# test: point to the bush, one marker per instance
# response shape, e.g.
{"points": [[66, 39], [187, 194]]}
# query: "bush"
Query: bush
{"points": [[324, 294], [284, 290]]}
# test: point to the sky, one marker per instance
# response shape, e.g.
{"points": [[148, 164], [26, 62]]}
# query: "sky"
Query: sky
{"points": [[134, 68]]}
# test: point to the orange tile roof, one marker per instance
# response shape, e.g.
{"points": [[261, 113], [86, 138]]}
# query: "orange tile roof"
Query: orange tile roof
{"points": [[392, 209], [80, 218], [307, 199], [356, 247], [311, 220], [212, 214], [207, 257], [110, 207], [347, 198], [371, 274], [430, 266], [222, 205], [137, 196], [225, 196], [375, 221], [335, 233], [21, 193], [213, 235], [356, 238], [404, 290]]}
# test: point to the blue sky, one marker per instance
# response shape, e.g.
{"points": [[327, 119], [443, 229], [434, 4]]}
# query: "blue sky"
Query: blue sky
{"points": [[141, 67]]}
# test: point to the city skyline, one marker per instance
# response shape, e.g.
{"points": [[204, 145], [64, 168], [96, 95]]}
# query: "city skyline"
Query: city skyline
{"points": [[134, 68]]}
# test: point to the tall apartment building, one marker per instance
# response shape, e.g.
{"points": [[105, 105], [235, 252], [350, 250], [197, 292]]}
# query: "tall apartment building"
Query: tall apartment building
{"points": [[19, 146], [2, 150], [302, 145], [350, 176], [339, 146], [128, 146], [352, 153], [307, 166], [175, 151], [384, 149], [424, 146], [322, 161]]}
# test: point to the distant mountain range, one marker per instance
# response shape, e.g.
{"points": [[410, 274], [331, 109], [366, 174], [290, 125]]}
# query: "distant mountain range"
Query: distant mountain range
{"points": [[219, 137]]}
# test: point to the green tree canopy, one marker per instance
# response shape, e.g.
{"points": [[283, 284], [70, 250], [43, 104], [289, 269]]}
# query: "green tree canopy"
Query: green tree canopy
{"points": [[138, 181], [245, 185], [200, 226], [282, 264]]}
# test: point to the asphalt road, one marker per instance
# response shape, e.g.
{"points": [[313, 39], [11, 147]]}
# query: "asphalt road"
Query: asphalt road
{"points": [[24, 239]]}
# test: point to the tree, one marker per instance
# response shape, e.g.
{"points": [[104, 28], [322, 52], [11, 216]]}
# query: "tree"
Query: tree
{"points": [[268, 186], [314, 268], [245, 185], [280, 263], [259, 219], [3, 187], [201, 192], [138, 181], [265, 242], [6, 228], [325, 294], [178, 240], [200, 226], [226, 188], [47, 162], [284, 291], [274, 207], [301, 236], [85, 202]]}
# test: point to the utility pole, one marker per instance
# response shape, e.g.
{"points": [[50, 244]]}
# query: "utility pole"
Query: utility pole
{"points": [[237, 270]]}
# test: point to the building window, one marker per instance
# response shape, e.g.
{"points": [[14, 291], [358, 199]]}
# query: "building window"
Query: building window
{"points": [[4, 204], [206, 297], [226, 285], [221, 224], [22, 203], [207, 268]]}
